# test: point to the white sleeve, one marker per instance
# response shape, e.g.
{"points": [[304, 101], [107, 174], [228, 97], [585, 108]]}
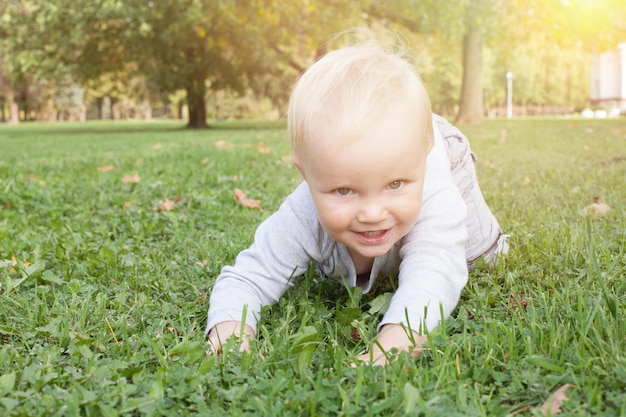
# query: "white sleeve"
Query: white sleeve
{"points": [[283, 247], [433, 269]]}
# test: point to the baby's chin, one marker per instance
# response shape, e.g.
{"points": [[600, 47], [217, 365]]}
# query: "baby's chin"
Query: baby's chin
{"points": [[371, 251]]}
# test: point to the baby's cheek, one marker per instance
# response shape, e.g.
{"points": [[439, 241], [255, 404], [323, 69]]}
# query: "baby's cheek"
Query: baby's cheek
{"points": [[333, 223]]}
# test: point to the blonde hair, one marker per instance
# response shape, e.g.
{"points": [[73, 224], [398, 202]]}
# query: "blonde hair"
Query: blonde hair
{"points": [[349, 88]]}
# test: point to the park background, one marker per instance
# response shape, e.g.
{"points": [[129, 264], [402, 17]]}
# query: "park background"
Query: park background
{"points": [[112, 232], [95, 59]]}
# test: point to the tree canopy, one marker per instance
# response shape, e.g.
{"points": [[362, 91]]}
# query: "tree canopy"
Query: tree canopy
{"points": [[145, 52]]}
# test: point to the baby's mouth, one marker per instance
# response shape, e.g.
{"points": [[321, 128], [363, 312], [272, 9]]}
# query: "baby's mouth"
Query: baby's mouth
{"points": [[373, 236], [373, 233]]}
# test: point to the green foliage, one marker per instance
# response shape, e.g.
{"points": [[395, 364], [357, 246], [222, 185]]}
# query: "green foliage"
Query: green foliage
{"points": [[591, 25], [103, 300], [147, 50]]}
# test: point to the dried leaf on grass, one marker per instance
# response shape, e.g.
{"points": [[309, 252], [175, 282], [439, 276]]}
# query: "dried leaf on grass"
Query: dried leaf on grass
{"points": [[131, 179], [13, 264], [503, 135], [517, 301], [167, 205], [262, 148], [240, 196], [597, 208], [555, 401], [35, 177], [220, 144], [612, 161], [492, 166], [25, 263], [157, 146], [105, 168]]}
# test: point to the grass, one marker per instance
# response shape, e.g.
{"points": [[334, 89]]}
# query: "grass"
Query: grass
{"points": [[103, 300]]}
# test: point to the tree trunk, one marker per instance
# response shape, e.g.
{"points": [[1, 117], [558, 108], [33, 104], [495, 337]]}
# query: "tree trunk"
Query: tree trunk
{"points": [[83, 112], [14, 108], [116, 111], [148, 112], [471, 104], [14, 111], [51, 111], [196, 92], [100, 106]]}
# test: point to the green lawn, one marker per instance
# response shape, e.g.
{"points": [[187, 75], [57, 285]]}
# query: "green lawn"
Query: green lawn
{"points": [[103, 299]]}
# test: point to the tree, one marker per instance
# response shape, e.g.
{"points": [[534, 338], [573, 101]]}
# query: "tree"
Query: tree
{"points": [[204, 45], [501, 25], [39, 48], [194, 45], [12, 76], [471, 102], [480, 16], [461, 20], [152, 49]]}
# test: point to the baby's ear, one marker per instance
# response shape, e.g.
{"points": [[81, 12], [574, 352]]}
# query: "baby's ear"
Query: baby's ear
{"points": [[431, 144], [430, 140], [296, 162]]}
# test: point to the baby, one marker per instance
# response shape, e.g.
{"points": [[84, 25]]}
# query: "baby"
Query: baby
{"points": [[389, 189]]}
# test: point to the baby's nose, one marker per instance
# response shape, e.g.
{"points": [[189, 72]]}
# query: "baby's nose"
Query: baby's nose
{"points": [[372, 212]]}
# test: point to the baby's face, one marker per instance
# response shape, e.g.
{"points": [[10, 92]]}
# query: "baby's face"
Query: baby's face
{"points": [[368, 189]]}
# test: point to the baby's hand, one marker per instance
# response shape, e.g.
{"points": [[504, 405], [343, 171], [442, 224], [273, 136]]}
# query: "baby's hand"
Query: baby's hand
{"points": [[393, 336], [227, 329]]}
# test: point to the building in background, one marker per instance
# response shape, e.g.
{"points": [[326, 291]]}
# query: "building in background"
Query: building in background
{"points": [[608, 80]]}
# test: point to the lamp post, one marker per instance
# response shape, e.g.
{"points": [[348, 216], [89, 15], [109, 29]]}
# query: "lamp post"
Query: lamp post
{"points": [[509, 94]]}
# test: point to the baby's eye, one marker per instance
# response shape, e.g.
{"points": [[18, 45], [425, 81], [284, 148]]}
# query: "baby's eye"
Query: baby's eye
{"points": [[343, 191], [394, 185]]}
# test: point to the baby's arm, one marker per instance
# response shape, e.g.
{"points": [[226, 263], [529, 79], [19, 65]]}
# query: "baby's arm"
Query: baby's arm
{"points": [[227, 329], [393, 336], [283, 248], [433, 270]]}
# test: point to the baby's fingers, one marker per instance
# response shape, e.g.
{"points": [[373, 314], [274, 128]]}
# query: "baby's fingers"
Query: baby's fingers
{"points": [[214, 346], [374, 358]]}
